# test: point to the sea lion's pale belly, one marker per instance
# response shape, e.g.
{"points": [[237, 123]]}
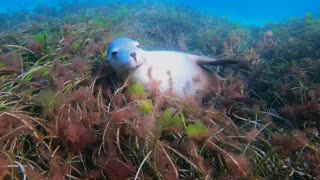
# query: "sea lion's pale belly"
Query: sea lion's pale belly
{"points": [[173, 72]]}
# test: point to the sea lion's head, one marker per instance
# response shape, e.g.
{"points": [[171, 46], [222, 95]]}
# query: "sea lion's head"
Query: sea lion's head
{"points": [[124, 55]]}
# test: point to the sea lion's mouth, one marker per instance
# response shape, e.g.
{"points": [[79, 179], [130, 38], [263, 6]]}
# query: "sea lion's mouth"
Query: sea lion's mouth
{"points": [[136, 67], [131, 69]]}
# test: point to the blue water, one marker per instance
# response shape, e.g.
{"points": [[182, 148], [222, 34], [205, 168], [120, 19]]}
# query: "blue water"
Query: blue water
{"points": [[247, 12], [256, 12]]}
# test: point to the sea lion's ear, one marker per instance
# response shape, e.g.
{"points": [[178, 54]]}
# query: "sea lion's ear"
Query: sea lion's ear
{"points": [[135, 43]]}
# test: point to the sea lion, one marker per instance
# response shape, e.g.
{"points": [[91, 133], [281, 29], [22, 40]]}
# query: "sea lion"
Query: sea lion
{"points": [[179, 74]]}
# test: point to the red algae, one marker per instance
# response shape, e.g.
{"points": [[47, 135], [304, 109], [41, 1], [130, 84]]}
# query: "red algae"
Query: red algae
{"points": [[10, 63]]}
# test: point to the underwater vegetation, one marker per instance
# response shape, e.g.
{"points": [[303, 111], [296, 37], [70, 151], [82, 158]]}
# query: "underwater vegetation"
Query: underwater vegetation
{"points": [[64, 115]]}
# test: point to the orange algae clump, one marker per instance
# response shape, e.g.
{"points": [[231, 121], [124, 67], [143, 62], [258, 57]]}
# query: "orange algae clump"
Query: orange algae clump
{"points": [[268, 34]]}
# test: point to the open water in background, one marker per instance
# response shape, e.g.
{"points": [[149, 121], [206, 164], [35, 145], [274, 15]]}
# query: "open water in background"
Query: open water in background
{"points": [[246, 12]]}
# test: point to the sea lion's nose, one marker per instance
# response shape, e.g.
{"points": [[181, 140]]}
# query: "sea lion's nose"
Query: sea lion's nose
{"points": [[134, 56]]}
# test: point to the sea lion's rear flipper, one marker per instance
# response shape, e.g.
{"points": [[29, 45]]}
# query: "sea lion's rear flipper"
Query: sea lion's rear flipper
{"points": [[214, 62], [205, 63]]}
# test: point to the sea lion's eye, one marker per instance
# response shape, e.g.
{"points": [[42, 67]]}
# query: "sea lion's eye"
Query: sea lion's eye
{"points": [[114, 53], [134, 55]]}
